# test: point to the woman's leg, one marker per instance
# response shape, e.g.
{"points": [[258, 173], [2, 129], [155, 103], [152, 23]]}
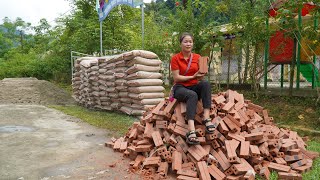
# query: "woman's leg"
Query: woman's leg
{"points": [[190, 97], [203, 89]]}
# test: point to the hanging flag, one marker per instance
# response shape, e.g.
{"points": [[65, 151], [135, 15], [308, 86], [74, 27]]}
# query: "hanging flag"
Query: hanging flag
{"points": [[97, 5], [105, 6]]}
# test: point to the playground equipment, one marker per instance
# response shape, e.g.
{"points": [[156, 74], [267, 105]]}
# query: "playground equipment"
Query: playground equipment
{"points": [[280, 48], [300, 52]]}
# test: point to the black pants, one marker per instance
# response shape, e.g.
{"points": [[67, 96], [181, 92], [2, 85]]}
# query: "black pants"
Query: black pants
{"points": [[191, 95]]}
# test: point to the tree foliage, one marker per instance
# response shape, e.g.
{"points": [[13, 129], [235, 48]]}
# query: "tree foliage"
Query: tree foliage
{"points": [[45, 50]]}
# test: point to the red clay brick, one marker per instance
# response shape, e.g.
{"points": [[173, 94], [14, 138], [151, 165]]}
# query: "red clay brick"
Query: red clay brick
{"points": [[203, 65], [244, 149], [222, 159], [264, 173], [216, 173], [181, 177], [278, 167], [187, 172], [157, 138], [203, 171], [291, 176], [176, 161]]}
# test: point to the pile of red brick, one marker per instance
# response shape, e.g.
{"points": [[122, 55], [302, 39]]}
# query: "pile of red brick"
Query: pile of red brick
{"points": [[245, 143]]}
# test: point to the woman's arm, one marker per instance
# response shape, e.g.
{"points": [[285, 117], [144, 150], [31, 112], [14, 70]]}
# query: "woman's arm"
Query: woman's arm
{"points": [[180, 78]]}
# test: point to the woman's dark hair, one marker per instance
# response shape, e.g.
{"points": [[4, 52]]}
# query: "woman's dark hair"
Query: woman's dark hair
{"points": [[183, 35]]}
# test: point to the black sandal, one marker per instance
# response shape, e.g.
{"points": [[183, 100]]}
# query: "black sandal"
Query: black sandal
{"points": [[209, 126], [192, 140]]}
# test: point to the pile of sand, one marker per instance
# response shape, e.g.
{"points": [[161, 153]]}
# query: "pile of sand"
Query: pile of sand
{"points": [[32, 91]]}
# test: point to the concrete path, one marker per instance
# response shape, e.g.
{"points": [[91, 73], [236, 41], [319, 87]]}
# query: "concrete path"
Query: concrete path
{"points": [[37, 142]]}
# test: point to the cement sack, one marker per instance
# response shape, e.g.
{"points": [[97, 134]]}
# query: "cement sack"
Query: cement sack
{"points": [[94, 84], [108, 108], [76, 74], [110, 72], [103, 94], [121, 88], [137, 112], [123, 94], [102, 71], [139, 67], [103, 88], [120, 75], [111, 89], [94, 68], [146, 89], [120, 63], [76, 79], [93, 78], [115, 105], [106, 77], [125, 100], [95, 88], [96, 93], [106, 58], [105, 103], [105, 99], [110, 66], [126, 110], [89, 63], [115, 100], [110, 84], [145, 82], [121, 82], [113, 95], [144, 75], [115, 58], [126, 104], [142, 107], [93, 73], [102, 82], [120, 69], [142, 53], [103, 65], [148, 101], [146, 95], [144, 61]]}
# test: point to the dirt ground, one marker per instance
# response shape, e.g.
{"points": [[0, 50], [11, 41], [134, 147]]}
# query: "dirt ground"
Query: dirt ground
{"points": [[37, 142]]}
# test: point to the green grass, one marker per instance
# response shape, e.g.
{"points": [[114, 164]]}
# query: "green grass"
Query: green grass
{"points": [[117, 123], [300, 113]]}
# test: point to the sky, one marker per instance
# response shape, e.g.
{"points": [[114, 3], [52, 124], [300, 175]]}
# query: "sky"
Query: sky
{"points": [[34, 10]]}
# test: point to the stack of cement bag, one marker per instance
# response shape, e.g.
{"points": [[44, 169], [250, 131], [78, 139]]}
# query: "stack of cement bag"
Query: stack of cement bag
{"points": [[129, 82], [84, 82]]}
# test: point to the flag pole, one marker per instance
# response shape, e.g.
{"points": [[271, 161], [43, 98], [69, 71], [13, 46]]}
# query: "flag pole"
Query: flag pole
{"points": [[100, 38], [142, 23]]}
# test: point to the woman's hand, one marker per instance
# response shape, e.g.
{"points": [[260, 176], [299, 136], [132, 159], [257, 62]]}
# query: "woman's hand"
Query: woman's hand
{"points": [[198, 75]]}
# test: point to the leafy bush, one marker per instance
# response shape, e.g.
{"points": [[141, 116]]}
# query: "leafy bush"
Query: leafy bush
{"points": [[45, 67]]}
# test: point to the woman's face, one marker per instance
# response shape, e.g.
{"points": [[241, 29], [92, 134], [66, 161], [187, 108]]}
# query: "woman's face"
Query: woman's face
{"points": [[187, 44]]}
